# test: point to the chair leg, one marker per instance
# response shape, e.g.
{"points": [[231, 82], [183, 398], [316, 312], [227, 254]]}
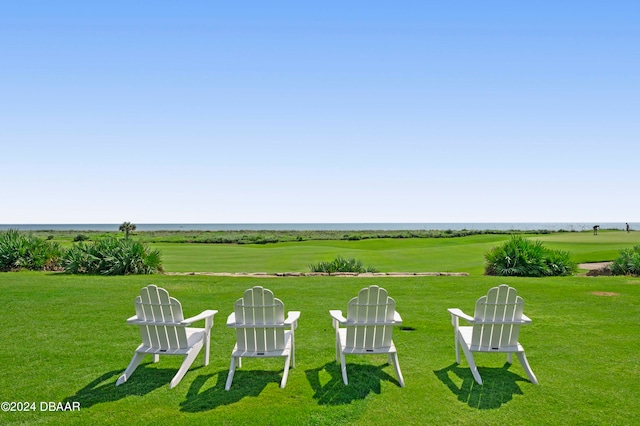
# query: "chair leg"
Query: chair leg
{"points": [[343, 366], [207, 347], [188, 360], [208, 325], [135, 361], [232, 369], [156, 358], [293, 350], [283, 383], [396, 364], [527, 368], [510, 357], [472, 364]]}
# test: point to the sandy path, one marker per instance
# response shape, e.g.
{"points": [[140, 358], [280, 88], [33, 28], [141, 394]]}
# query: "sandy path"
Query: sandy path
{"points": [[594, 265]]}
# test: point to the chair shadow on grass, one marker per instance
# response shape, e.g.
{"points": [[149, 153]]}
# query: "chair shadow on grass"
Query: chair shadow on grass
{"points": [[499, 385], [245, 384], [363, 380], [103, 389]]}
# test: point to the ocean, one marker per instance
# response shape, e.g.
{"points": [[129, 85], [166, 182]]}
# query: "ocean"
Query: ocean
{"points": [[507, 226]]}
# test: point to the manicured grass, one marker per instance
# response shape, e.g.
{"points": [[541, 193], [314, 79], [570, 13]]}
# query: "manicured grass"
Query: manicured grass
{"points": [[464, 254], [65, 339], [411, 255], [586, 247], [408, 254]]}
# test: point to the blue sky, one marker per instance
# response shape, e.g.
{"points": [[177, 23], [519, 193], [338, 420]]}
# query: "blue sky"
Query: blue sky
{"points": [[332, 111]]}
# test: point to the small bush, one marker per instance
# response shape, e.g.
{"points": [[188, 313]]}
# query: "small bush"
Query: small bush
{"points": [[340, 264], [19, 251], [560, 263], [80, 237], [628, 263], [111, 256], [520, 257]]}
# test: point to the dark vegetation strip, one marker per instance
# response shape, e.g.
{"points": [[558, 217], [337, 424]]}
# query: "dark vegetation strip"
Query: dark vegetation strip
{"points": [[268, 236]]}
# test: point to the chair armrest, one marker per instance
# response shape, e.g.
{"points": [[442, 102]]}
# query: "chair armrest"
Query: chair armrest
{"points": [[132, 320], [455, 312], [231, 319], [337, 316], [202, 315], [292, 317]]}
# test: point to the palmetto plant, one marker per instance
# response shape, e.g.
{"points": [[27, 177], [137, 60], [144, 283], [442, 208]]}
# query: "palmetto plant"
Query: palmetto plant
{"points": [[628, 263], [19, 251], [340, 264], [521, 257], [127, 227], [112, 256], [559, 263]]}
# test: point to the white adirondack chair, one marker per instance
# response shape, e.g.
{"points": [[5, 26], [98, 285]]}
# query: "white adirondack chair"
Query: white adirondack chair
{"points": [[495, 328], [262, 331], [368, 328], [164, 331]]}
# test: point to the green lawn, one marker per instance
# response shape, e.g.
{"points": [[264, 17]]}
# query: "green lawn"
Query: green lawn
{"points": [[465, 254], [65, 339], [586, 247]]}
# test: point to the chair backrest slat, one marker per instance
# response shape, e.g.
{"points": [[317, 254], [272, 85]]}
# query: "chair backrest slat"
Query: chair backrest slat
{"points": [[259, 311], [374, 310], [155, 305], [500, 306]]}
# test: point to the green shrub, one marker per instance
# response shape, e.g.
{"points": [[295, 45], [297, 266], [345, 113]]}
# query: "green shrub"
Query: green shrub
{"points": [[628, 263], [111, 256], [80, 237], [521, 257], [340, 264], [559, 263], [19, 251]]}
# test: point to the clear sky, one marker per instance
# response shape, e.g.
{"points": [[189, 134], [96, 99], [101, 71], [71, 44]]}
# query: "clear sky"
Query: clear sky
{"points": [[319, 111]]}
